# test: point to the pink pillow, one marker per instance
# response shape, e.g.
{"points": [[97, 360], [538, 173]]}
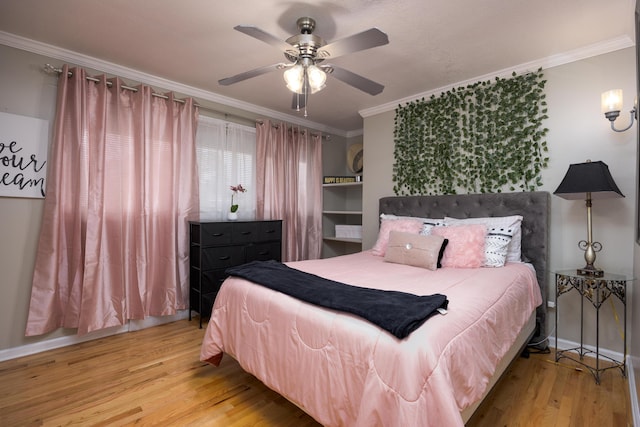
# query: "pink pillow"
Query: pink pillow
{"points": [[387, 226], [466, 245]]}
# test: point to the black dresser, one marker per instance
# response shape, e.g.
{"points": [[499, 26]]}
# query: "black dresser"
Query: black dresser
{"points": [[216, 246]]}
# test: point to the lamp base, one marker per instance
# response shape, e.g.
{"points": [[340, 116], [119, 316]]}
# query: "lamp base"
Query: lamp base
{"points": [[590, 271]]}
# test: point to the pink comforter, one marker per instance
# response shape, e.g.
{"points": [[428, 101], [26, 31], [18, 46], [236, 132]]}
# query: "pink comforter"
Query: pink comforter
{"points": [[344, 371]]}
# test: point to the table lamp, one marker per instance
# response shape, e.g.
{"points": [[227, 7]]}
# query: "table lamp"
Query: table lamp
{"points": [[589, 180]]}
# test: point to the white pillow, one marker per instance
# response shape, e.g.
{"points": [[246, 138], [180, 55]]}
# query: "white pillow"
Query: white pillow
{"points": [[496, 246], [513, 223], [427, 223]]}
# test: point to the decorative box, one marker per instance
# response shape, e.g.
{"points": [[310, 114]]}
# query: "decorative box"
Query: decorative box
{"points": [[349, 231]]}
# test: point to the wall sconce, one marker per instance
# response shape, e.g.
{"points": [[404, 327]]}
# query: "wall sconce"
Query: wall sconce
{"points": [[587, 181], [611, 103]]}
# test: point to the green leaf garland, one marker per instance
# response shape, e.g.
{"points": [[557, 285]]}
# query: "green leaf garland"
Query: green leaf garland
{"points": [[482, 138]]}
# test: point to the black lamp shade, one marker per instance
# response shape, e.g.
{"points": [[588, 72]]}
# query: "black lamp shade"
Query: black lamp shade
{"points": [[588, 177]]}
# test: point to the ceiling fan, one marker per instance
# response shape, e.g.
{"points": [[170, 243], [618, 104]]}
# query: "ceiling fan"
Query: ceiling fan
{"points": [[305, 73]]}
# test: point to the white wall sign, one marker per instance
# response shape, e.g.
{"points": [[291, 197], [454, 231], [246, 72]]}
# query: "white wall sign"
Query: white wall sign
{"points": [[23, 156]]}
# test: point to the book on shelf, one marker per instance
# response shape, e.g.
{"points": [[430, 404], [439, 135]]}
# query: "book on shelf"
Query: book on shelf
{"points": [[339, 179]]}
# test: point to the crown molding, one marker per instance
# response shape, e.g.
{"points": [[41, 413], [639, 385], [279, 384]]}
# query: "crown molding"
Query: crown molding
{"points": [[585, 52], [82, 60]]}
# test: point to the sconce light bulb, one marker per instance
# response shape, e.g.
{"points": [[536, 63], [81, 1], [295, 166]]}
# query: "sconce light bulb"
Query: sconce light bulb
{"points": [[611, 104], [611, 100]]}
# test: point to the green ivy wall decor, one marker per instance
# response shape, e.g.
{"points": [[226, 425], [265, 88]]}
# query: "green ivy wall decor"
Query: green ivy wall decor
{"points": [[482, 138]]}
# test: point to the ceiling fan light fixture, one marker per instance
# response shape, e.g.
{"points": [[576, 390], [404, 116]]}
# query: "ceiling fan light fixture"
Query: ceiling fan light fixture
{"points": [[316, 90], [294, 77], [317, 78], [303, 51]]}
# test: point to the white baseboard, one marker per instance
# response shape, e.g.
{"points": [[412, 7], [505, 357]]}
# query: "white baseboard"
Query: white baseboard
{"points": [[40, 346], [132, 325], [631, 380], [135, 325], [565, 344]]}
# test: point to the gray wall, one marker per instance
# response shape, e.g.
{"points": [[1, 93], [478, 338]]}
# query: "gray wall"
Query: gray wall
{"points": [[26, 91], [577, 131]]}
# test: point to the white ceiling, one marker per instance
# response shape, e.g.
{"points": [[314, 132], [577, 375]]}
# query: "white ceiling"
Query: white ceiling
{"points": [[433, 43]]}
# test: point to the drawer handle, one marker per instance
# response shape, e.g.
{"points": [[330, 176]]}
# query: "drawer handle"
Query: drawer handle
{"points": [[245, 233], [270, 231], [263, 253], [217, 234], [224, 258]]}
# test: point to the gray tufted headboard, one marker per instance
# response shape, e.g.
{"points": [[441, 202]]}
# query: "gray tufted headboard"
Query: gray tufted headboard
{"points": [[533, 206]]}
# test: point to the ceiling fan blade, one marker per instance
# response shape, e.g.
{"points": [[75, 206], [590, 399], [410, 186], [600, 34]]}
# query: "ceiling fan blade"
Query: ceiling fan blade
{"points": [[357, 42], [257, 33], [355, 80], [249, 74]]}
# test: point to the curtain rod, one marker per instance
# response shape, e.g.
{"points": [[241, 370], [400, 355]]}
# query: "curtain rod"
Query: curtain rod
{"points": [[50, 69], [277, 125]]}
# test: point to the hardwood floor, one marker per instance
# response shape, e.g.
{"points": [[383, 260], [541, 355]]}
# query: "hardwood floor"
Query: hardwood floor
{"points": [[154, 377], [540, 392]]}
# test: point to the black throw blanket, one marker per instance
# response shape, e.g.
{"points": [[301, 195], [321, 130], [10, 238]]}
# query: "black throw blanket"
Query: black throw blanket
{"points": [[397, 312]]}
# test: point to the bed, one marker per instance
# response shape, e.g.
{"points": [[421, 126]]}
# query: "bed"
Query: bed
{"points": [[345, 371]]}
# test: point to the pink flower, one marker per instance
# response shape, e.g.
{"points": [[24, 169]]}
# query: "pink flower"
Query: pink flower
{"points": [[239, 187], [236, 189]]}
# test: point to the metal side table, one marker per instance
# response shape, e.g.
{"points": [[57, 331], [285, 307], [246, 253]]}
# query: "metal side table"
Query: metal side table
{"points": [[596, 290]]}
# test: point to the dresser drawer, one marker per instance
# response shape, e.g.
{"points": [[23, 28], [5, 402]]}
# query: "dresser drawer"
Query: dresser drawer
{"points": [[207, 282], [221, 257], [264, 251], [215, 233], [269, 230], [245, 232], [212, 280]]}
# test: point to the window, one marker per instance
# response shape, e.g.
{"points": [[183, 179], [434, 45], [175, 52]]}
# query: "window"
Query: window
{"points": [[226, 154]]}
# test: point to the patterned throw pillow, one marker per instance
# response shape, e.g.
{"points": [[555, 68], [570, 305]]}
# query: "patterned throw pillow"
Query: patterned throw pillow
{"points": [[496, 246]]}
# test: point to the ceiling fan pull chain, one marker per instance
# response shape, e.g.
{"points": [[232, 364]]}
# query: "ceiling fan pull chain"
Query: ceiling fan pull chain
{"points": [[306, 95]]}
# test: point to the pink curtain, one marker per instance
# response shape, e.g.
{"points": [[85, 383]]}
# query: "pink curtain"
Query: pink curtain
{"points": [[289, 186], [122, 181]]}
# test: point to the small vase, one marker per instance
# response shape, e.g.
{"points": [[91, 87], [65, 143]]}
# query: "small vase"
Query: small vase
{"points": [[232, 216]]}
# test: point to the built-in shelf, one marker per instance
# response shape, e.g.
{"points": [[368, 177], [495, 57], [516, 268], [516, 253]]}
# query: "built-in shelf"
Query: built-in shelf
{"points": [[344, 184], [342, 205], [342, 239], [342, 212]]}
